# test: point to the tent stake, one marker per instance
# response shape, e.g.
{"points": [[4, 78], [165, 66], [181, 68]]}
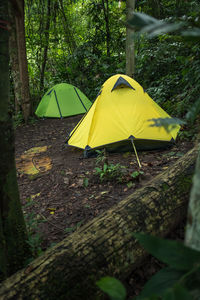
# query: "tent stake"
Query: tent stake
{"points": [[136, 153]]}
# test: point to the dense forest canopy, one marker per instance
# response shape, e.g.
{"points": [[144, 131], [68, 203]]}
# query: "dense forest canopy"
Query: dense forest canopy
{"points": [[83, 43]]}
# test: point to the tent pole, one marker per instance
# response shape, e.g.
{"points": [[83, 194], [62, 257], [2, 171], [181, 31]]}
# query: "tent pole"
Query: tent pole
{"points": [[136, 153]]}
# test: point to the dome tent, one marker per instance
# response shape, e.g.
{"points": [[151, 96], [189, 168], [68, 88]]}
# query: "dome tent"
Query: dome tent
{"points": [[63, 100], [120, 117]]}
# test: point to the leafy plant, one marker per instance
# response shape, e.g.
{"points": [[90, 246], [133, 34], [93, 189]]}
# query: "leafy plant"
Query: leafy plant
{"points": [[101, 156], [112, 287], [180, 279], [181, 276], [110, 172], [136, 174], [85, 182]]}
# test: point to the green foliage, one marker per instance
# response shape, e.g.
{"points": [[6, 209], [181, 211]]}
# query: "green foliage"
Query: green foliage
{"points": [[183, 262], [85, 182], [79, 40], [112, 287], [179, 280], [109, 172], [136, 174], [101, 156], [170, 252], [176, 61]]}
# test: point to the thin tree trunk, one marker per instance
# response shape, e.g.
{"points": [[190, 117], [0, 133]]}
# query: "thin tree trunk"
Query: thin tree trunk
{"points": [[14, 62], [68, 33], [155, 8], [13, 239], [46, 33], [23, 64], [105, 246], [106, 17], [130, 55]]}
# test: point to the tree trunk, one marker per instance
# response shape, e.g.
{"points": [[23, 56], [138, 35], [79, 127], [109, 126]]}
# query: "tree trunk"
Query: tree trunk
{"points": [[46, 46], [13, 239], [14, 62], [155, 8], [105, 246], [71, 43], [130, 55], [106, 17], [23, 64]]}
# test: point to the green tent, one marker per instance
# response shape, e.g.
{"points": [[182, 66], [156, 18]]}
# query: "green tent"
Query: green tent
{"points": [[63, 100]]}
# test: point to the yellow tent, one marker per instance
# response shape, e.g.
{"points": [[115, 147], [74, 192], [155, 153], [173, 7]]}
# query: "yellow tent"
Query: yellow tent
{"points": [[119, 116]]}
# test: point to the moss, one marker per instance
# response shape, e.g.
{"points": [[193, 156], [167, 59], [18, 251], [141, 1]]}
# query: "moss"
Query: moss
{"points": [[165, 187]]}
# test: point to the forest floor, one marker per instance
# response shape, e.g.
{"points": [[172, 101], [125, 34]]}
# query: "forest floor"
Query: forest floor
{"points": [[59, 189]]}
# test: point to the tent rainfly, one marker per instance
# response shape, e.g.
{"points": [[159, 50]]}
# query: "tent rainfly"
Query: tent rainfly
{"points": [[63, 100], [120, 117]]}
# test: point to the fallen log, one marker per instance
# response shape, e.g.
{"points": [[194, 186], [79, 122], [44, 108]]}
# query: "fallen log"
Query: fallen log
{"points": [[105, 245]]}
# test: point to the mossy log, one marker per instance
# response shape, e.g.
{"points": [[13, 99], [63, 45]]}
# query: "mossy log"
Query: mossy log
{"points": [[105, 245]]}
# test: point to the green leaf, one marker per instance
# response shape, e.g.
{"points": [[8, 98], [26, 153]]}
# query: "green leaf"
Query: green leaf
{"points": [[192, 34], [152, 26], [112, 287], [85, 182], [98, 170], [177, 293], [181, 293], [140, 20], [105, 167], [135, 174], [159, 29], [173, 253], [161, 281]]}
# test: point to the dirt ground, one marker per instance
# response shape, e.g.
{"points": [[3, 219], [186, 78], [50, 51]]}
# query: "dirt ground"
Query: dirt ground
{"points": [[69, 194], [65, 192]]}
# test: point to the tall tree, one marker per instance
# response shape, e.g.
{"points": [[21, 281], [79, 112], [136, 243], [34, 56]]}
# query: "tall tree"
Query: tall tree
{"points": [[46, 45], [13, 246], [22, 58], [14, 61], [105, 6], [130, 56], [69, 36]]}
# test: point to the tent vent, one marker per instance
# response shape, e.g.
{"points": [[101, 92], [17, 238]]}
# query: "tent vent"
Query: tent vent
{"points": [[121, 82]]}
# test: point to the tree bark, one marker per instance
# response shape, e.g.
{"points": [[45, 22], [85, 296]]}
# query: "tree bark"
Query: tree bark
{"points": [[106, 17], [130, 55], [13, 239], [71, 43], [23, 64], [14, 62], [46, 46], [105, 246]]}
